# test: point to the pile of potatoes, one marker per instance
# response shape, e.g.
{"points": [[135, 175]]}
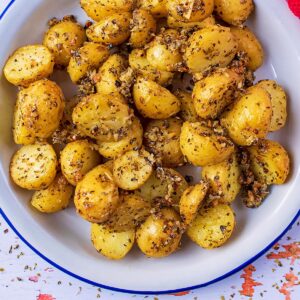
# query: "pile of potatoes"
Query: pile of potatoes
{"points": [[114, 146]]}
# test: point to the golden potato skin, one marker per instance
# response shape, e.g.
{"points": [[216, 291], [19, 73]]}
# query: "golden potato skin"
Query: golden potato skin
{"points": [[87, 58], [224, 179], [38, 111], [190, 10], [77, 159], [132, 169], [188, 111], [173, 23], [191, 200], [202, 147], [132, 140], [99, 9], [250, 117], [162, 139], [33, 167], [29, 64], [234, 12], [112, 30], [154, 101], [279, 103], [139, 63], [210, 46], [214, 92], [102, 117], [157, 7], [249, 43], [113, 245], [54, 198], [143, 27], [270, 162], [96, 195], [160, 235], [63, 38]]}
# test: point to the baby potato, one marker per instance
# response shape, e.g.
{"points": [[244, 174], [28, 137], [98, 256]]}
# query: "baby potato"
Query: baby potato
{"points": [[112, 30], [191, 200], [143, 27], [214, 92], [249, 43], [139, 63], [224, 179], [234, 12], [96, 195], [108, 77], [250, 117], [87, 58], [132, 140], [38, 111], [132, 169], [33, 167], [102, 117], [156, 7], [100, 9], [77, 159], [132, 211], [63, 38], [202, 147], [54, 198], [162, 139], [160, 235], [213, 226], [113, 245], [270, 162], [188, 111], [279, 102], [28, 64], [211, 46], [174, 23], [164, 51], [154, 101], [190, 10]]}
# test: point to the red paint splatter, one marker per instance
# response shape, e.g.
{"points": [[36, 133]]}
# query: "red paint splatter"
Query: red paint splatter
{"points": [[295, 7], [292, 251], [291, 280], [45, 297], [249, 282], [34, 278], [181, 293]]}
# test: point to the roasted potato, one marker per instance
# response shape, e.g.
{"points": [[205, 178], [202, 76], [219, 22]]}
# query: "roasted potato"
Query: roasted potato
{"points": [[213, 226], [113, 245], [173, 23], [77, 159], [87, 58], [142, 28], [139, 63], [269, 162], [202, 147], [154, 101], [33, 167], [132, 140], [224, 179], [250, 117], [163, 52], [249, 43], [208, 47], [279, 103], [28, 64], [111, 30], [160, 235], [132, 169], [190, 10], [191, 200], [38, 111], [157, 7], [54, 198], [96, 195], [102, 117], [162, 139], [100, 9], [188, 111], [234, 12]]}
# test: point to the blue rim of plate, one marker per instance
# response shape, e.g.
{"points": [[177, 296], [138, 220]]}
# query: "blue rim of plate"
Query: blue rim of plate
{"points": [[115, 289]]}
